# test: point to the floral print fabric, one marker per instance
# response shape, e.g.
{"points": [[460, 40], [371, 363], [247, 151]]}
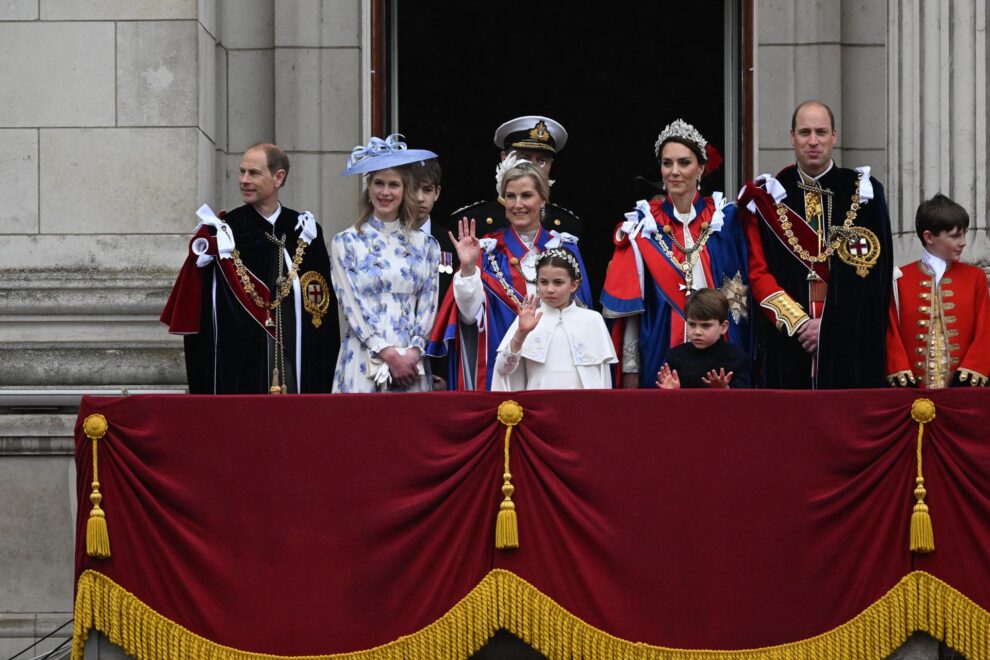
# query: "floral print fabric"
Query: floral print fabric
{"points": [[386, 283]]}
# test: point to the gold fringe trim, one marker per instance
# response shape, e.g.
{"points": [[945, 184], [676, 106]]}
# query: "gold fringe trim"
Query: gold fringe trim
{"points": [[510, 413], [922, 535], [919, 602]]}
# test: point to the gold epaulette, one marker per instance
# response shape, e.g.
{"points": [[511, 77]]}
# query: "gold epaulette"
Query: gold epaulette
{"points": [[788, 314], [901, 379]]}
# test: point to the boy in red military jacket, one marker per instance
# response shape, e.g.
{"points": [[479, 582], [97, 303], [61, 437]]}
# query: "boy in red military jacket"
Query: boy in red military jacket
{"points": [[939, 328]]}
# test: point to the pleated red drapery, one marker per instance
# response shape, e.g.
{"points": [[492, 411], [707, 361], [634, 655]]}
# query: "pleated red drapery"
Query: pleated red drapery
{"points": [[693, 520]]}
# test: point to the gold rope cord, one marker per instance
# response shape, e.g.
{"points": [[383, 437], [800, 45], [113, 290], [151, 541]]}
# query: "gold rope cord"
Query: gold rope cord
{"points": [[510, 413], [919, 602], [922, 535], [97, 534]]}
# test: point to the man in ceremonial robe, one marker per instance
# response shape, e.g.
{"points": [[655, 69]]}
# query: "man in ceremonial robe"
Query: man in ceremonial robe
{"points": [[820, 268], [537, 139], [254, 300]]}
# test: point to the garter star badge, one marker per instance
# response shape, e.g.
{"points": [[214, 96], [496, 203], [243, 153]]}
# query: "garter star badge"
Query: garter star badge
{"points": [[737, 294], [316, 295]]}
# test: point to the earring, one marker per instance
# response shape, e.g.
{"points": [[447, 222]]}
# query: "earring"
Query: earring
{"points": [[699, 183], [543, 213]]}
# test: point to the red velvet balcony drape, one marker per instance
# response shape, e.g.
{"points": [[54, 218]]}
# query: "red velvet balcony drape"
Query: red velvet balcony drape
{"points": [[692, 520]]}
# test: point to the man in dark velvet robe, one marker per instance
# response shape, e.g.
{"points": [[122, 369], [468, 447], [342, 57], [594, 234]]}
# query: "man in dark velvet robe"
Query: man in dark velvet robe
{"points": [[263, 324], [820, 265]]}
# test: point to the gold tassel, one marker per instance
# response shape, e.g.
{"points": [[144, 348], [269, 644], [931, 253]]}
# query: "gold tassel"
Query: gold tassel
{"points": [[510, 413], [97, 535], [922, 536]]}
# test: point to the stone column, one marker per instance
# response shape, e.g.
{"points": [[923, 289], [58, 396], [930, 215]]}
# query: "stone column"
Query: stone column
{"points": [[318, 108], [246, 87], [830, 50], [106, 139], [938, 139], [798, 57], [107, 130]]}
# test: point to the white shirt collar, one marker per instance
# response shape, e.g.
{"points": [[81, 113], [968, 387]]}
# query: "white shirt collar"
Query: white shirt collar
{"points": [[937, 264], [685, 218], [274, 216], [427, 226], [831, 164]]}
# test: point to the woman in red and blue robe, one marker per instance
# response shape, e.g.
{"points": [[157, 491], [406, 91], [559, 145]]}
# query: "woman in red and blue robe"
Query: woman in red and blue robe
{"points": [[496, 274], [667, 248]]}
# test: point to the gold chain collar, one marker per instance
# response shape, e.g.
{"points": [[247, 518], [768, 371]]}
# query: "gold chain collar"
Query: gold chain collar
{"points": [[691, 254], [835, 234], [284, 284]]}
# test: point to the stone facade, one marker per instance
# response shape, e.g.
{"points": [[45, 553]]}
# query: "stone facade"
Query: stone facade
{"points": [[117, 117], [907, 83]]}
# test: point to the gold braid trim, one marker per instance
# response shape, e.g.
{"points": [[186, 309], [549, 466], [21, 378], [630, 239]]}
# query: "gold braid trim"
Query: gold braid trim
{"points": [[901, 379], [788, 313], [974, 378], [919, 602]]}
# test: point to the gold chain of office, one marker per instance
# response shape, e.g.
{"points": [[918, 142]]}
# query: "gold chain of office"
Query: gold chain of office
{"points": [[691, 254], [284, 283], [834, 240]]}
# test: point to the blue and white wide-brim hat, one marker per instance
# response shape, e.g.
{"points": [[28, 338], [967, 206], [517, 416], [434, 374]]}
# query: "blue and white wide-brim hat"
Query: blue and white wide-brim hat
{"points": [[382, 154]]}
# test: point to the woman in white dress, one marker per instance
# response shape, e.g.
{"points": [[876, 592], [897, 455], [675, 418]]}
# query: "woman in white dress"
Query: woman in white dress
{"points": [[385, 276]]}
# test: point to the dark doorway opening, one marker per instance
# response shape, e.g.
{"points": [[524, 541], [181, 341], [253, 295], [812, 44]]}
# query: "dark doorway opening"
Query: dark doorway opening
{"points": [[613, 73]]}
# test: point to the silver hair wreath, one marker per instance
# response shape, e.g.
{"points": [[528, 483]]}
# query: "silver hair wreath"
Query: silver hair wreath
{"points": [[561, 253]]}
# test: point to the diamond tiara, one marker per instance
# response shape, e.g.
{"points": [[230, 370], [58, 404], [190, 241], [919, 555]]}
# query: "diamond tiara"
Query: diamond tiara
{"points": [[680, 129]]}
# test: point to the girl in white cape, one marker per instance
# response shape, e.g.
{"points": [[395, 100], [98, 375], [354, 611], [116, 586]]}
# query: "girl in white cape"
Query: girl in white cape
{"points": [[561, 347]]}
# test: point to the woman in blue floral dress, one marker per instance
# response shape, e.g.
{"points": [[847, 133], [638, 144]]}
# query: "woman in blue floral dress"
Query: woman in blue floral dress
{"points": [[385, 276]]}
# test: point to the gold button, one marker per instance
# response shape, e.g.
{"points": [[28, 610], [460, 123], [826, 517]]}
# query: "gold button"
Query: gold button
{"points": [[924, 295], [920, 350], [919, 364], [923, 309], [923, 323], [921, 336], [925, 283], [489, 221], [513, 261], [557, 221]]}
